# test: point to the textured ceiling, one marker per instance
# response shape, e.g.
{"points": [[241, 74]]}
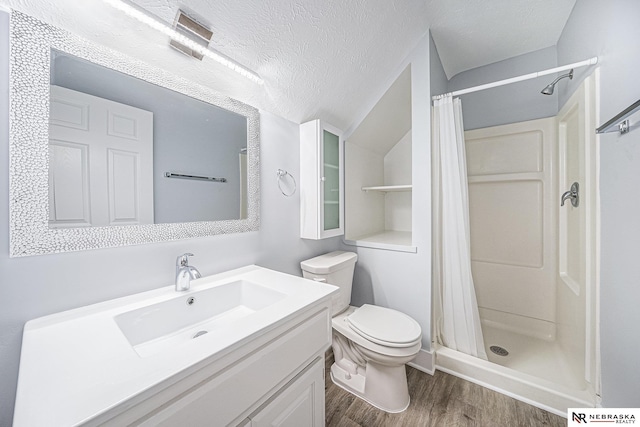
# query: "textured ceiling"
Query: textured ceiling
{"points": [[472, 33], [324, 59]]}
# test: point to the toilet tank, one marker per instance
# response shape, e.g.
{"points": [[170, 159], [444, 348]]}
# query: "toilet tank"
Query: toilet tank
{"points": [[335, 268]]}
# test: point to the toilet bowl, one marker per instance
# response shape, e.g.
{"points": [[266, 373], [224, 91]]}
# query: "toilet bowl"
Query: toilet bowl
{"points": [[371, 344]]}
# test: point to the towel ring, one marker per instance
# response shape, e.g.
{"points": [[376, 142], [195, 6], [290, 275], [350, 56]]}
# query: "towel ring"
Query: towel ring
{"points": [[281, 174]]}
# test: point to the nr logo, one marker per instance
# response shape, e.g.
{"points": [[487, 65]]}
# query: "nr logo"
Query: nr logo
{"points": [[579, 418]]}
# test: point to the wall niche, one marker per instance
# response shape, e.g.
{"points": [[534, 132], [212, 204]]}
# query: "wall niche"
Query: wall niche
{"points": [[378, 173]]}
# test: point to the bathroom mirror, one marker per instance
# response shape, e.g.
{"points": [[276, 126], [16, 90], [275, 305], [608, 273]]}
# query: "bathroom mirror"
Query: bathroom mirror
{"points": [[155, 147], [50, 173]]}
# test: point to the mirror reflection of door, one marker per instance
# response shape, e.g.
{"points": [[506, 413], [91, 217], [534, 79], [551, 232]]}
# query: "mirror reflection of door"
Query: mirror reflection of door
{"points": [[100, 162]]}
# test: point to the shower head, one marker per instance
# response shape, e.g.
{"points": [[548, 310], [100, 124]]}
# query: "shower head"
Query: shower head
{"points": [[549, 89]]}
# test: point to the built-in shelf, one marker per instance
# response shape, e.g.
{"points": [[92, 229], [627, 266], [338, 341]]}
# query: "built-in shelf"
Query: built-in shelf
{"points": [[330, 166], [388, 239], [388, 188]]}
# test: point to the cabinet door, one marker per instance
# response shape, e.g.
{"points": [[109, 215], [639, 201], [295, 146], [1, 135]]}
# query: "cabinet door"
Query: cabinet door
{"points": [[321, 181], [233, 391], [330, 181], [299, 404]]}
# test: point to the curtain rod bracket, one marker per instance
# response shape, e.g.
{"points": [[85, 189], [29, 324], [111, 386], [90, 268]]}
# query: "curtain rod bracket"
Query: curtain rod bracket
{"points": [[624, 126], [621, 120]]}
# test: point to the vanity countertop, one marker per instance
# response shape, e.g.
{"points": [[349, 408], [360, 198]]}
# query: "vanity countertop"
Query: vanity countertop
{"points": [[78, 364]]}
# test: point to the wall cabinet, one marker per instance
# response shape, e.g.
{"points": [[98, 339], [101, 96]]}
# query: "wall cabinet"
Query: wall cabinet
{"points": [[321, 181]]}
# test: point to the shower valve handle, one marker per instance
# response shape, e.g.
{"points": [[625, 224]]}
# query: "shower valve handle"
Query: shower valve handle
{"points": [[573, 194]]}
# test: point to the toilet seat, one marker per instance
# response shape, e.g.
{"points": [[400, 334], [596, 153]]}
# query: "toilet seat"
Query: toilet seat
{"points": [[340, 324], [384, 326]]}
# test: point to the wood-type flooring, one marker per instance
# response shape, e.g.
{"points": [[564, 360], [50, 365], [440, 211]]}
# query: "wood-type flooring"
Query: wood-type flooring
{"points": [[441, 400]]}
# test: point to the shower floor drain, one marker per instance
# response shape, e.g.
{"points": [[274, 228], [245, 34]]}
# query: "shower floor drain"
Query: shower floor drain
{"points": [[499, 350]]}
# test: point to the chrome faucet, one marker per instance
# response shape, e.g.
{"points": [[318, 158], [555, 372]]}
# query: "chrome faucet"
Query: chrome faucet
{"points": [[185, 273]]}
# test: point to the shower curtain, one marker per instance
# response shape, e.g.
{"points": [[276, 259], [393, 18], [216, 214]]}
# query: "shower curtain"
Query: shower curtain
{"points": [[456, 307]]}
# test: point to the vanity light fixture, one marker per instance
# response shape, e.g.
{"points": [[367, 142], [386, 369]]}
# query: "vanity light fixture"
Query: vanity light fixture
{"points": [[191, 28], [157, 24]]}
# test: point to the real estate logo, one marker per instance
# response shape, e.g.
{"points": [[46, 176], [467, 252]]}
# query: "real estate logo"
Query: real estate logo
{"points": [[582, 416], [579, 417]]}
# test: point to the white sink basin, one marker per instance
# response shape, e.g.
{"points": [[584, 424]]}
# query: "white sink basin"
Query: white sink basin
{"points": [[91, 362], [154, 328]]}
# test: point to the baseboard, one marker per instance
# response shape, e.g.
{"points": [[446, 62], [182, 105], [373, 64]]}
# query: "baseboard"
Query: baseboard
{"points": [[424, 361]]}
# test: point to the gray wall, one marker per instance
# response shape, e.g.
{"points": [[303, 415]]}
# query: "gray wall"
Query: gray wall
{"points": [[611, 31], [31, 287], [189, 136], [511, 103], [438, 79]]}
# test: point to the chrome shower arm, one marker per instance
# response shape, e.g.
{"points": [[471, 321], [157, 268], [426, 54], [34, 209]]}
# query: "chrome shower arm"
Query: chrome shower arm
{"points": [[548, 90]]}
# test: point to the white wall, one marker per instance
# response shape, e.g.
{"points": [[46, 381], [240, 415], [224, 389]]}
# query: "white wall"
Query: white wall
{"points": [[610, 30], [401, 280], [31, 287], [511, 103], [364, 210], [397, 171]]}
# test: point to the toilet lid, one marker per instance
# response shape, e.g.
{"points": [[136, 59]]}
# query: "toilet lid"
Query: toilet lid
{"points": [[384, 326]]}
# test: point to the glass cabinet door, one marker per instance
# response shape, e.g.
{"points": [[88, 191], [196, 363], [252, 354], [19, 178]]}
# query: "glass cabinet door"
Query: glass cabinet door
{"points": [[331, 180], [321, 181]]}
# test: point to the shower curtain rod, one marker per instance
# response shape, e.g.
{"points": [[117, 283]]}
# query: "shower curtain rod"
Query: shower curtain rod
{"points": [[529, 76]]}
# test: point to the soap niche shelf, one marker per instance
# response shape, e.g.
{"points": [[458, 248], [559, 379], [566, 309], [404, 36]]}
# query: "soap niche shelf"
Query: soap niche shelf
{"points": [[379, 152]]}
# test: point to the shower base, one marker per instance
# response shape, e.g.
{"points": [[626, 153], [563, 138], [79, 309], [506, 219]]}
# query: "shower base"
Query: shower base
{"points": [[535, 371], [534, 356]]}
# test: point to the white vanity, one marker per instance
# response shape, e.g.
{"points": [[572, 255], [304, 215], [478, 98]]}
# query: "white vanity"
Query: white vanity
{"points": [[245, 347]]}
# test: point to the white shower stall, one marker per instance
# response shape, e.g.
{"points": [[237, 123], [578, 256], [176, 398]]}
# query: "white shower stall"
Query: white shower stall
{"points": [[535, 262]]}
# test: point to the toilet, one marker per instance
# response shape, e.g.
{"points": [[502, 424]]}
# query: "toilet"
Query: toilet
{"points": [[370, 344]]}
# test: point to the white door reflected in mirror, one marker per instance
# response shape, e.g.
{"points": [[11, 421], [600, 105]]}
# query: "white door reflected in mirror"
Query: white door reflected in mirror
{"points": [[100, 162]]}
